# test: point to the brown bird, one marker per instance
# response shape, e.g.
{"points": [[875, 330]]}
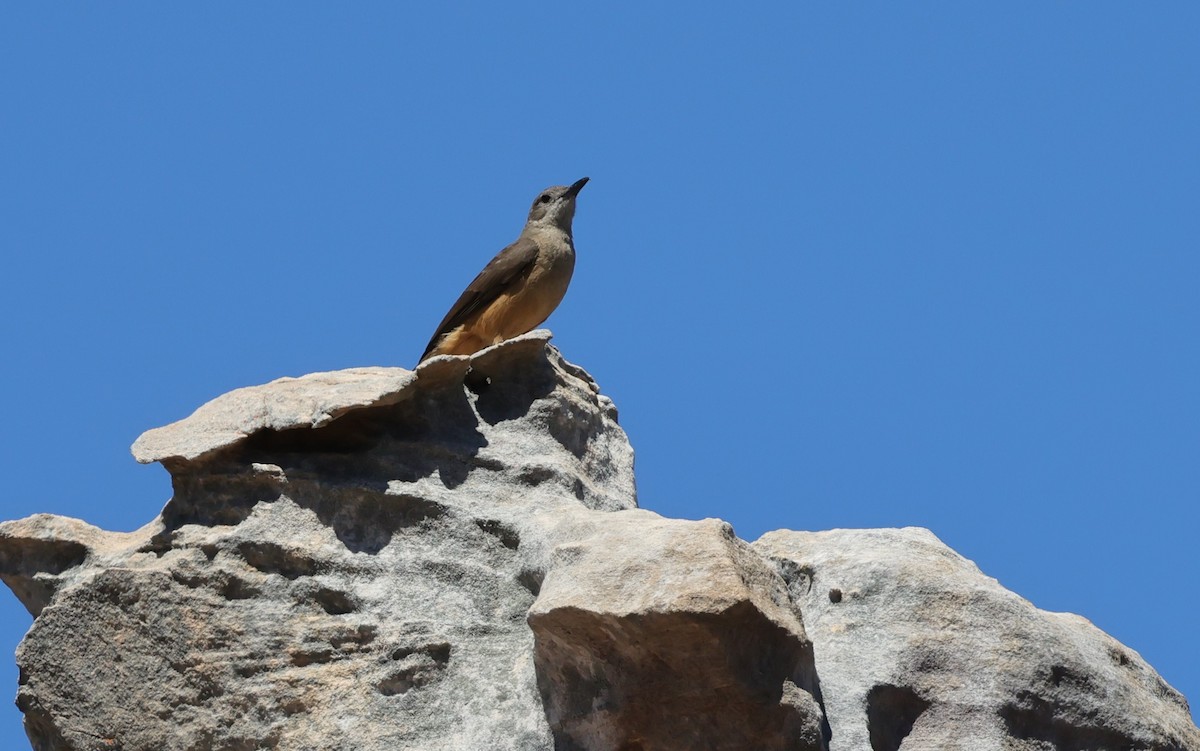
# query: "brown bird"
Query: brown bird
{"points": [[521, 286]]}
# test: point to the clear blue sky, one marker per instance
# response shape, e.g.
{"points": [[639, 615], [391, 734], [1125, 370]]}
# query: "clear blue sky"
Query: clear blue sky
{"points": [[840, 265]]}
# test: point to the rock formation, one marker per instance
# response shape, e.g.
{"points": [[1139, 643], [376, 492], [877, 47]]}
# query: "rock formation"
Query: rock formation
{"points": [[453, 558]]}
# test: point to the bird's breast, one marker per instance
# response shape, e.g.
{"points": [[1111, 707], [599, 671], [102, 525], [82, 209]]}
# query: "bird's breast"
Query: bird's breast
{"points": [[548, 279], [527, 304], [554, 266]]}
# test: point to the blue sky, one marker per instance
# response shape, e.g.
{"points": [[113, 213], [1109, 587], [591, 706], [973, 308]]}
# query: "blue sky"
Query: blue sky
{"points": [[839, 265]]}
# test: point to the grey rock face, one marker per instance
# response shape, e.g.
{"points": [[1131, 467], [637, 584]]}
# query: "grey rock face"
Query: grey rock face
{"points": [[915, 646], [452, 558]]}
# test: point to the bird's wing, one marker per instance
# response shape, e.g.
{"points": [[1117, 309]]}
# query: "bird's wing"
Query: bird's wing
{"points": [[508, 266]]}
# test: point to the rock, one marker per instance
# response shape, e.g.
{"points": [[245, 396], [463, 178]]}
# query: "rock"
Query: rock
{"points": [[453, 558], [37, 554], [336, 571], [659, 633], [310, 401], [915, 645]]}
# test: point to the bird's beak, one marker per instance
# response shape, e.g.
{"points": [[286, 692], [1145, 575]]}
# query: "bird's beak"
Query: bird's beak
{"points": [[575, 187]]}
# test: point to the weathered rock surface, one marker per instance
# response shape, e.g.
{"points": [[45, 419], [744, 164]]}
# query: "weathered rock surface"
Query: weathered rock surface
{"points": [[310, 401], [671, 634], [452, 558], [915, 646]]}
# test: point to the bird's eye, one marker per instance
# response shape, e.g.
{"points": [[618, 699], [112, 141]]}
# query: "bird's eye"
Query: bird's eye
{"points": [[545, 198]]}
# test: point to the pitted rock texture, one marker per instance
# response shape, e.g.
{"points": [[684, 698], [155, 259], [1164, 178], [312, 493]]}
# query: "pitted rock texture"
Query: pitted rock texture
{"points": [[452, 558], [917, 649]]}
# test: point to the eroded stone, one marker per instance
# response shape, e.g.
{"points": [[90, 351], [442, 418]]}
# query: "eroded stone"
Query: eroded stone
{"points": [[657, 633], [921, 649]]}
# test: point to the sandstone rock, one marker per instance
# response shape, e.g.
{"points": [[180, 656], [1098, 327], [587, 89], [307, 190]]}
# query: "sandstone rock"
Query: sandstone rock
{"points": [[452, 558], [310, 401], [915, 646], [333, 572], [658, 633], [37, 554]]}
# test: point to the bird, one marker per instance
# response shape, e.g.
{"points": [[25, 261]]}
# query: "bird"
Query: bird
{"points": [[521, 286]]}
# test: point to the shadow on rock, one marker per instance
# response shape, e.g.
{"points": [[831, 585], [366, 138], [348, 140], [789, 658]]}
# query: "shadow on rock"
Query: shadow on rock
{"points": [[341, 471], [504, 392], [676, 680]]}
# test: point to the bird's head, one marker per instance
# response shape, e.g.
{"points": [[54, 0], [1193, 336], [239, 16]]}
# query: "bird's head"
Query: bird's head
{"points": [[555, 206]]}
